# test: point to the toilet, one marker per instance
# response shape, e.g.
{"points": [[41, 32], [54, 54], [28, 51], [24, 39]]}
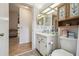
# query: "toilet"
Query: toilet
{"points": [[67, 47]]}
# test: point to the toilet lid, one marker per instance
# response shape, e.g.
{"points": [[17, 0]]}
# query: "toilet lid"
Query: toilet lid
{"points": [[61, 52]]}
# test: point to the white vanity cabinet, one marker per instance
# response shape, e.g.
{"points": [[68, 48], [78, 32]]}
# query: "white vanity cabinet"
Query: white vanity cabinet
{"points": [[45, 43]]}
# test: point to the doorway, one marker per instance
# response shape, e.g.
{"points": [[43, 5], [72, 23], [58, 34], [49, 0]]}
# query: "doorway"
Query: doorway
{"points": [[20, 28]]}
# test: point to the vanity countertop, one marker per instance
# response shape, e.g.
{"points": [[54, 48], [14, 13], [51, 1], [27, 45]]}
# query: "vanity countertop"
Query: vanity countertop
{"points": [[46, 34]]}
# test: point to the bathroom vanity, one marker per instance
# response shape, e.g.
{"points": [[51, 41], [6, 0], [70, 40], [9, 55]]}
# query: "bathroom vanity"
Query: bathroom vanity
{"points": [[46, 36], [46, 43]]}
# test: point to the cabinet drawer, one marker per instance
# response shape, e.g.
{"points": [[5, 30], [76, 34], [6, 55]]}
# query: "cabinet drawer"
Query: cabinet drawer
{"points": [[38, 42], [38, 45], [44, 39], [43, 49]]}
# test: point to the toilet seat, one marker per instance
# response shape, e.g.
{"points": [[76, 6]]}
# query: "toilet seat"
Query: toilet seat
{"points": [[61, 52]]}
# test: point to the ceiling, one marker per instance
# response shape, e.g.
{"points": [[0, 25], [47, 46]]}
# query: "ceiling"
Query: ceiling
{"points": [[13, 7], [40, 6]]}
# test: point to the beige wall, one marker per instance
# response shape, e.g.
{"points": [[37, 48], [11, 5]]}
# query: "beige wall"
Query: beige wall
{"points": [[13, 20], [13, 16], [25, 25]]}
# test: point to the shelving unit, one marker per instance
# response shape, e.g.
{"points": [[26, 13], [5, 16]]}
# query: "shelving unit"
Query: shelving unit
{"points": [[69, 24], [69, 21], [63, 11], [68, 14]]}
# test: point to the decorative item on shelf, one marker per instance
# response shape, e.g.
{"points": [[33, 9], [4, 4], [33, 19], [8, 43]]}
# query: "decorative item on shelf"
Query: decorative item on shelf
{"points": [[62, 11], [64, 33], [71, 34], [74, 9], [68, 25]]}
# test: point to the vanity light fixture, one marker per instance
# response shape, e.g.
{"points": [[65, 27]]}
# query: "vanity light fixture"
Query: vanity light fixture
{"points": [[39, 15], [54, 5], [55, 8], [26, 7], [50, 12], [46, 10], [50, 9]]}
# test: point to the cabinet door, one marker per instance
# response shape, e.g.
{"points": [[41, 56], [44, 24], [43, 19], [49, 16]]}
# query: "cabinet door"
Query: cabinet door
{"points": [[44, 39], [38, 42], [43, 48], [49, 45]]}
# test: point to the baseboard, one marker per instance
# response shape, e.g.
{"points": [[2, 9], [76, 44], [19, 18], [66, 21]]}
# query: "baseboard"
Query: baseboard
{"points": [[24, 42]]}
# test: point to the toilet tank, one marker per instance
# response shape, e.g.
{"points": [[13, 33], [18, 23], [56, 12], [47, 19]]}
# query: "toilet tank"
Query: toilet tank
{"points": [[69, 45]]}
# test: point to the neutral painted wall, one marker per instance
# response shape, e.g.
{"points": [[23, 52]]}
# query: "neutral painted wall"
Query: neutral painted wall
{"points": [[25, 25], [13, 16], [13, 20]]}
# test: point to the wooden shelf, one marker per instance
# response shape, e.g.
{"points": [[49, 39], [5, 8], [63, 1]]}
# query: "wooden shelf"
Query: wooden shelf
{"points": [[64, 26], [71, 18], [72, 21]]}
